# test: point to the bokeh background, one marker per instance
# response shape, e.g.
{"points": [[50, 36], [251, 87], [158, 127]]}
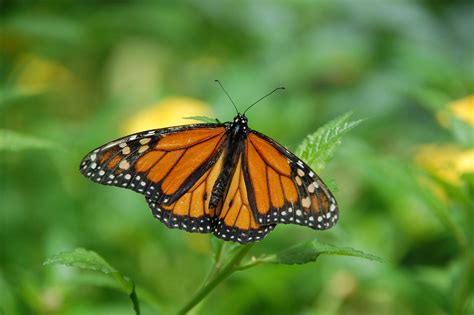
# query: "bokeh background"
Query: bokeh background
{"points": [[74, 75]]}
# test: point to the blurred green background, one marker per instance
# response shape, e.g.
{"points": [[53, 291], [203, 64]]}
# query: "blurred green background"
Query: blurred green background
{"points": [[74, 75]]}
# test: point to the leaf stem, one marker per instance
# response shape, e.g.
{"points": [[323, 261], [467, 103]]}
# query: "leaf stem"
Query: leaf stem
{"points": [[134, 298], [216, 278], [218, 260]]}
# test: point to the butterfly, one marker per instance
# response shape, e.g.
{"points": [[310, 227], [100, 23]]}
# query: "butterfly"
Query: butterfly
{"points": [[220, 178]]}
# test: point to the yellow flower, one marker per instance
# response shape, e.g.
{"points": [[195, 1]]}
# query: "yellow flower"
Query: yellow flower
{"points": [[37, 75], [169, 112], [462, 109], [447, 162]]}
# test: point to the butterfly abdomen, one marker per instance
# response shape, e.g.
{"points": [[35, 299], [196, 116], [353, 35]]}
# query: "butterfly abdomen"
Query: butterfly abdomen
{"points": [[234, 148]]}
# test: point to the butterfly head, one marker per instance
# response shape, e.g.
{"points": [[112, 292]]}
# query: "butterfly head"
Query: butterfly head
{"points": [[240, 123], [240, 119]]}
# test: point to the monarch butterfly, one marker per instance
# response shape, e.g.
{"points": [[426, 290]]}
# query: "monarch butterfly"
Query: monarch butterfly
{"points": [[220, 178]]}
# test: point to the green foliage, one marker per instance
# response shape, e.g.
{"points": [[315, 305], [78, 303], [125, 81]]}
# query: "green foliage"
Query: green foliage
{"points": [[13, 141], [318, 148], [303, 253], [90, 260], [202, 119], [73, 75], [310, 251], [84, 259]]}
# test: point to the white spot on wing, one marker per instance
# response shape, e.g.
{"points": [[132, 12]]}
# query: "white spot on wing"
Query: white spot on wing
{"points": [[143, 148], [306, 202], [124, 164], [145, 140], [300, 172], [126, 150]]}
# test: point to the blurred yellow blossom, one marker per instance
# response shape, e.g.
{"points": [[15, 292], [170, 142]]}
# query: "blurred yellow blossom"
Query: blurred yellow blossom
{"points": [[37, 74], [462, 109], [447, 162], [168, 112]]}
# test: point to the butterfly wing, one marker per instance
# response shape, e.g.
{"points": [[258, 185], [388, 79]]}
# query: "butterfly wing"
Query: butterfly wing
{"points": [[191, 211], [162, 164], [235, 218], [283, 189]]}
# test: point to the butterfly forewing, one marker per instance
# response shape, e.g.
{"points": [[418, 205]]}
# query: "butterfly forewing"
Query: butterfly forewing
{"points": [[161, 164]]}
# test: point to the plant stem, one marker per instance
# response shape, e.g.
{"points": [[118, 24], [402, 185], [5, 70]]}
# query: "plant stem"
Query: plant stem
{"points": [[134, 298], [216, 278], [218, 260]]}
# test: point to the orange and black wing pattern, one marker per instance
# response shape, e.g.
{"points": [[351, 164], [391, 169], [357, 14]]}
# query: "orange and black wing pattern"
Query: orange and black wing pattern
{"points": [[161, 164], [283, 189], [191, 211], [236, 220], [223, 179]]}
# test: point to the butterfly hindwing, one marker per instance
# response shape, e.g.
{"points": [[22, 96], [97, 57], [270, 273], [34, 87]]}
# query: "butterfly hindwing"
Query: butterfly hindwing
{"points": [[285, 189], [236, 221], [162, 164], [191, 212]]}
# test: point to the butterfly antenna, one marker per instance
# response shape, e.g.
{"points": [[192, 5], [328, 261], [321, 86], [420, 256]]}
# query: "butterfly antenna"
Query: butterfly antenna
{"points": [[230, 98], [268, 94]]}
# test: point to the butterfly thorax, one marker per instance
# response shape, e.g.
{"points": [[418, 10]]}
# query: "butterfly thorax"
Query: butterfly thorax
{"points": [[238, 131]]}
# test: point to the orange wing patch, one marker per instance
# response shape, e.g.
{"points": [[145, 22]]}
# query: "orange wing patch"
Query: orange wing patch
{"points": [[236, 221], [236, 210], [188, 163], [270, 175], [185, 139], [165, 164], [258, 177], [191, 211], [169, 163], [272, 156], [148, 160], [285, 189]]}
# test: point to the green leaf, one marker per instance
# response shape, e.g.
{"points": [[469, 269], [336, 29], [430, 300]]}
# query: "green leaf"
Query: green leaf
{"points": [[90, 260], [310, 251], [318, 148], [203, 119], [82, 258], [13, 141]]}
